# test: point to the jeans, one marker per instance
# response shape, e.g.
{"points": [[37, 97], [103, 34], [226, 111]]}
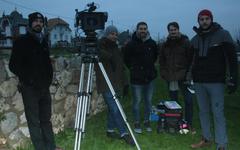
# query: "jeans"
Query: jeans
{"points": [[212, 94], [114, 118], [147, 91], [188, 100], [37, 106]]}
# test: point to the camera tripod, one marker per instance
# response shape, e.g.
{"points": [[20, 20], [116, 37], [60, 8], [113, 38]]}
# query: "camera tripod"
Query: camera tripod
{"points": [[84, 97]]}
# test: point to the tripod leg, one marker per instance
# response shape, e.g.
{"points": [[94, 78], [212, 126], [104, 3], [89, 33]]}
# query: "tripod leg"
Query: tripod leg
{"points": [[88, 93], [117, 102], [82, 105], [80, 90], [90, 88], [78, 111]]}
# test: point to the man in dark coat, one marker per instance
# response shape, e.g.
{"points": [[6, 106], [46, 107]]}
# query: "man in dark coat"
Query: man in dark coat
{"points": [[215, 55], [140, 54], [30, 62], [175, 59], [111, 58]]}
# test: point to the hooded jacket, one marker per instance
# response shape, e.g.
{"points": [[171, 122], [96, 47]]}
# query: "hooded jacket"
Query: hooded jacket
{"points": [[112, 60], [214, 52], [175, 58], [30, 61], [139, 57]]}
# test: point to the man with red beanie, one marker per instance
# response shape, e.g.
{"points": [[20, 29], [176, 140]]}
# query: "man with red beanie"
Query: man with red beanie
{"points": [[214, 58]]}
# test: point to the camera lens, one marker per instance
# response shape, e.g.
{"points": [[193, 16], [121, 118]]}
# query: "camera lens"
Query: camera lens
{"points": [[92, 21]]}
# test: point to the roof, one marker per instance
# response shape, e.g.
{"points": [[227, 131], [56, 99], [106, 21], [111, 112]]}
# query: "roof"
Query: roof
{"points": [[122, 37], [15, 18], [56, 21]]}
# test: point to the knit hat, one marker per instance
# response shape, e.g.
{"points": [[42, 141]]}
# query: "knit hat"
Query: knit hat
{"points": [[34, 16], [109, 30], [205, 12]]}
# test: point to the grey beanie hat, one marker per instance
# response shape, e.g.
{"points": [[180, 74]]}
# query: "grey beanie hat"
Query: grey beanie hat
{"points": [[109, 30]]}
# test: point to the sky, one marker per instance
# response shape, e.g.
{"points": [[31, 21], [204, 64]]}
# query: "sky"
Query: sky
{"points": [[125, 14]]}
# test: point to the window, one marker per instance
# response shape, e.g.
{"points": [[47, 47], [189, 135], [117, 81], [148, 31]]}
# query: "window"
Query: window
{"points": [[61, 36], [55, 36], [66, 37]]}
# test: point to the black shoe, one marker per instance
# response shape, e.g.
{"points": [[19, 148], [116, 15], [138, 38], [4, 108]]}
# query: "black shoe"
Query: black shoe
{"points": [[128, 139], [147, 126], [221, 148], [112, 135]]}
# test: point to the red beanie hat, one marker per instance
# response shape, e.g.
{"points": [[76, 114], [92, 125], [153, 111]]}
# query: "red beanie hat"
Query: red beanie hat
{"points": [[205, 12]]}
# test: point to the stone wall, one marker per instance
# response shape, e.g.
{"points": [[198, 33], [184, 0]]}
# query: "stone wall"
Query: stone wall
{"points": [[14, 130]]}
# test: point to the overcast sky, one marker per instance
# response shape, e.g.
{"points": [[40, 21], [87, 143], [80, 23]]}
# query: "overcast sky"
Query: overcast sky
{"points": [[126, 13]]}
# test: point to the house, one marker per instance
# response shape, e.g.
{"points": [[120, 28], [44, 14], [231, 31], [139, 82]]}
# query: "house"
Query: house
{"points": [[238, 50], [60, 33], [11, 26], [124, 37]]}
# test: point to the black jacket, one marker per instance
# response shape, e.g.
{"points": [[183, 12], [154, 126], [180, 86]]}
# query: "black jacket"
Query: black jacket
{"points": [[214, 52], [30, 61], [139, 57]]}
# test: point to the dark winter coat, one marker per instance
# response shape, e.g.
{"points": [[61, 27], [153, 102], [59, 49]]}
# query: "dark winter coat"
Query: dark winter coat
{"points": [[30, 61], [111, 58], [139, 57], [213, 51], [175, 58]]}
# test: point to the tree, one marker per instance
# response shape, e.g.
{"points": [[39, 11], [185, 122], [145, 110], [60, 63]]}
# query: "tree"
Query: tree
{"points": [[2, 117], [238, 36]]}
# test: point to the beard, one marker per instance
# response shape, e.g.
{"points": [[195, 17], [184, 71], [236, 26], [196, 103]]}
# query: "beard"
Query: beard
{"points": [[143, 35], [174, 35], [205, 26], [37, 29]]}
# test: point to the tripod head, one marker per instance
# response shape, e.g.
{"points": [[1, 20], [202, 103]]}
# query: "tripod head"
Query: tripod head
{"points": [[90, 21], [89, 52]]}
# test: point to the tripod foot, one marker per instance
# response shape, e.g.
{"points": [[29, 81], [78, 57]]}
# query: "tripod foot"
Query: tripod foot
{"points": [[128, 139]]}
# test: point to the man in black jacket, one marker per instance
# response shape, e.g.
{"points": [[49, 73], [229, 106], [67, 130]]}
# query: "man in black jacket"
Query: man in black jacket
{"points": [[140, 54], [214, 55], [30, 62]]}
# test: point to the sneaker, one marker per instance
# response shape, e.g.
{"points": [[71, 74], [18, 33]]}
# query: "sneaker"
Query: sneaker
{"points": [[128, 139], [192, 130], [58, 148], [147, 126], [137, 127], [112, 135], [203, 143]]}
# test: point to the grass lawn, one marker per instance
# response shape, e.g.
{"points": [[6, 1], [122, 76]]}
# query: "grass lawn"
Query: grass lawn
{"points": [[95, 137]]}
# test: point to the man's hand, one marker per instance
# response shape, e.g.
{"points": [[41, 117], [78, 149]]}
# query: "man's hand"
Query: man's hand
{"points": [[231, 86], [125, 90]]}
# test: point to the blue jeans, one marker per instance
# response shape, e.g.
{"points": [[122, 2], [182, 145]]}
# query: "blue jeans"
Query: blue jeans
{"points": [[188, 100], [114, 118], [147, 91], [212, 94]]}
